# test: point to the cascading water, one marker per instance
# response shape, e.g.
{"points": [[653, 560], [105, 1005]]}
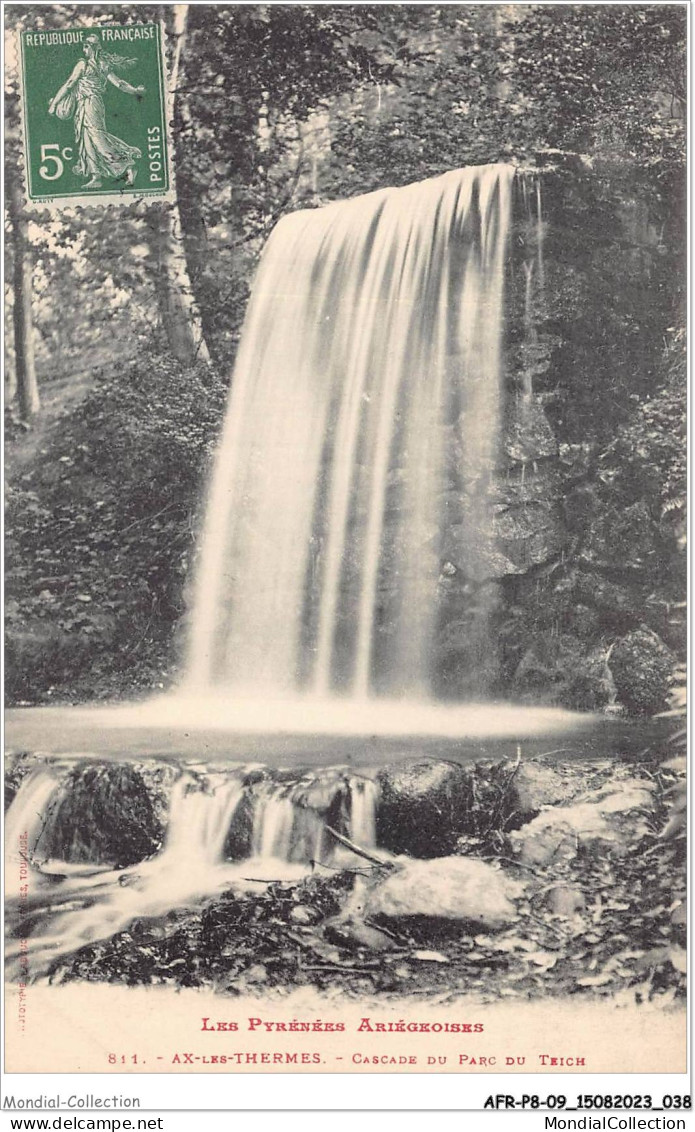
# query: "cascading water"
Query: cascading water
{"points": [[364, 420], [26, 821], [200, 815], [62, 905]]}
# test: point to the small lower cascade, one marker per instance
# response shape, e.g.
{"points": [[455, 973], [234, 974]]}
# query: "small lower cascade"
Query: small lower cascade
{"points": [[199, 818], [226, 828], [273, 826], [290, 820], [285, 831], [26, 822], [364, 796]]}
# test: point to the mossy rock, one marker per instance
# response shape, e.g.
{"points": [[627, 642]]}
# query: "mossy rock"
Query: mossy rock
{"points": [[642, 668], [104, 815], [422, 807]]}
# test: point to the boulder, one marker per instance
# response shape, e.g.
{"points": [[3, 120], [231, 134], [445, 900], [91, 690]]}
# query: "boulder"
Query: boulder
{"points": [[353, 934], [642, 669], [535, 786], [450, 888], [239, 840], [591, 685], [426, 806], [557, 834], [104, 815], [159, 778], [610, 818], [423, 806], [530, 533], [564, 670]]}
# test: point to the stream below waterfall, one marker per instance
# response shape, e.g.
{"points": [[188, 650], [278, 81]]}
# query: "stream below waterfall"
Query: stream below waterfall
{"points": [[283, 828], [95, 841]]}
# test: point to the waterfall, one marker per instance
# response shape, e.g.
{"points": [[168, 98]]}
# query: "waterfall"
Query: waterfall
{"points": [[273, 825], [363, 422], [290, 819], [364, 795], [27, 816], [200, 815]]}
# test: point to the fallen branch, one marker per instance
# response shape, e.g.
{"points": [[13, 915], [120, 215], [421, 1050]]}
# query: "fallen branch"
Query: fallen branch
{"points": [[267, 880], [338, 869], [356, 849]]}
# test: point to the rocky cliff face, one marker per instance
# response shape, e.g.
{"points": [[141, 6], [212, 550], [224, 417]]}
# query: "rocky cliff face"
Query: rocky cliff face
{"points": [[587, 569]]}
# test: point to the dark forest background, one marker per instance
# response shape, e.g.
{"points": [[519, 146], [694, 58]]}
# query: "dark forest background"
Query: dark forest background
{"points": [[123, 322]]}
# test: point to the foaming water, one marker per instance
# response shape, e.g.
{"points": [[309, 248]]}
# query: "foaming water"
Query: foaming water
{"points": [[26, 820], [349, 716], [67, 906]]}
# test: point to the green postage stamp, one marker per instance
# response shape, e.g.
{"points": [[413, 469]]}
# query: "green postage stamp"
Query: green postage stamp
{"points": [[94, 114]]}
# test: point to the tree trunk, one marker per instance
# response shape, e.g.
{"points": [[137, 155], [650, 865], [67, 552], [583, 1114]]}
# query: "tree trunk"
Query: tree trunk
{"points": [[27, 390], [179, 312], [193, 228]]}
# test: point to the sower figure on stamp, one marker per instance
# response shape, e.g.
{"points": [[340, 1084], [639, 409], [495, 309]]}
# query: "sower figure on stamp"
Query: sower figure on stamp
{"points": [[100, 154]]}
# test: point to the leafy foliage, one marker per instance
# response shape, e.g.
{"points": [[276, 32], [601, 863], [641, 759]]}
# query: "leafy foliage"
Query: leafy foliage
{"points": [[101, 530]]}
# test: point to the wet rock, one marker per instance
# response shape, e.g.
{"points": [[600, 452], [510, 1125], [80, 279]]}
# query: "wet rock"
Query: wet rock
{"points": [[591, 686], [530, 533], [561, 669], [528, 483], [536, 673], [547, 665], [159, 778], [642, 668], [468, 659], [325, 793], [611, 818], [471, 558], [450, 888], [258, 774], [353, 934], [104, 816], [528, 433], [534, 786], [422, 807], [239, 841]]}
